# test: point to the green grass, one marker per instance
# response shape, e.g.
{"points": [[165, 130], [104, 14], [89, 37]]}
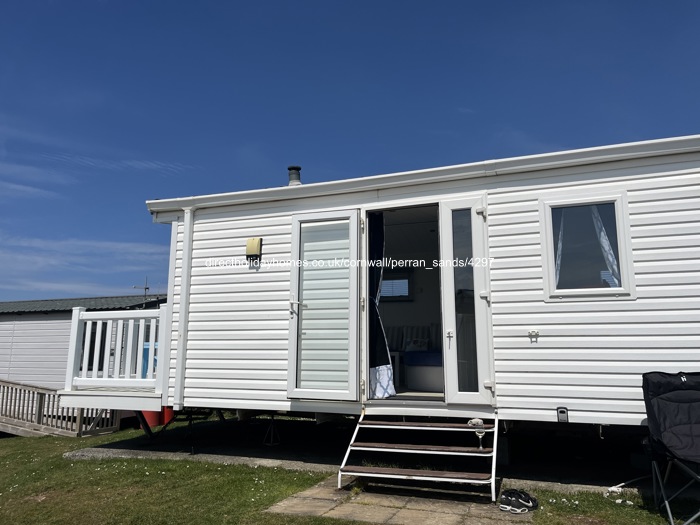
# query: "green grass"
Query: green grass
{"points": [[37, 485], [592, 508]]}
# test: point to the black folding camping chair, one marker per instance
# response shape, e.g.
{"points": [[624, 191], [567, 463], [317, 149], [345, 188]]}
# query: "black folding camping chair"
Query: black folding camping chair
{"points": [[673, 415]]}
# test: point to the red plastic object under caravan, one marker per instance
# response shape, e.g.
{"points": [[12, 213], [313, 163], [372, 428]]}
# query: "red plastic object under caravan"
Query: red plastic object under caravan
{"points": [[153, 418], [166, 415]]}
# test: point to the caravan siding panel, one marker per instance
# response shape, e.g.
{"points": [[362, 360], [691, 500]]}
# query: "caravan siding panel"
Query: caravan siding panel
{"points": [[590, 354], [34, 348], [238, 326]]}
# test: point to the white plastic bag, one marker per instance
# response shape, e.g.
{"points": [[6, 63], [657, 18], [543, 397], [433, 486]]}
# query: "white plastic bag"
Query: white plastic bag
{"points": [[381, 382]]}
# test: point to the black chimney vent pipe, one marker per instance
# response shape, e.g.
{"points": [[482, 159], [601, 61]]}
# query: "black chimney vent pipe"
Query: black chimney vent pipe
{"points": [[294, 175]]}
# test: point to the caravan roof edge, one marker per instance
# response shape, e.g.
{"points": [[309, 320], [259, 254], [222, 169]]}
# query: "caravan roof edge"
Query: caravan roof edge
{"points": [[559, 159]]}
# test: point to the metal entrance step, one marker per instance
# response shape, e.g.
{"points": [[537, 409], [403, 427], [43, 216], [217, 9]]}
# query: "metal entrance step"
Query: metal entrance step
{"points": [[436, 449], [405, 473], [423, 449], [423, 425]]}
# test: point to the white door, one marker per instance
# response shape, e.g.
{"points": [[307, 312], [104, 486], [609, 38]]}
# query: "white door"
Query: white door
{"points": [[323, 307], [465, 301]]}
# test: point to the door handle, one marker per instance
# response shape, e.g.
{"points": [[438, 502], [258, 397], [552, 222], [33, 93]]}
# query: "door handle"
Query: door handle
{"points": [[450, 334], [291, 307]]}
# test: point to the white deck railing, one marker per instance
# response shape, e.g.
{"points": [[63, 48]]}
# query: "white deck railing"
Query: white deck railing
{"points": [[116, 350]]}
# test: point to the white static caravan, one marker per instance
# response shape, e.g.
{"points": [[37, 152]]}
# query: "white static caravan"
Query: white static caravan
{"points": [[580, 270]]}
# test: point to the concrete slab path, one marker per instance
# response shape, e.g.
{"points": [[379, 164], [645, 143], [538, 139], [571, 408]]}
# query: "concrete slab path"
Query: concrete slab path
{"points": [[398, 506]]}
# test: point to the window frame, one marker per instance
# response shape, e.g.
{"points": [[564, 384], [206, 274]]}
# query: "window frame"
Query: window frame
{"points": [[627, 289]]}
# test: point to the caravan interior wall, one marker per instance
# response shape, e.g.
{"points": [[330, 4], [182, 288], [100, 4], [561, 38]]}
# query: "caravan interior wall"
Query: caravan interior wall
{"points": [[558, 337]]}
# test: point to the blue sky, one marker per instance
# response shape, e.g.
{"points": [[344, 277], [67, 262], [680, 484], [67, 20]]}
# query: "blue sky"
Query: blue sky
{"points": [[106, 104]]}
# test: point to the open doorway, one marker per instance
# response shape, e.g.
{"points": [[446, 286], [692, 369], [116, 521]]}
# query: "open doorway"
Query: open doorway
{"points": [[409, 299]]}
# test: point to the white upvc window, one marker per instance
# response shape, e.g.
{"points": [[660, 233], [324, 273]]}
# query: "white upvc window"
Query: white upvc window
{"points": [[586, 248]]}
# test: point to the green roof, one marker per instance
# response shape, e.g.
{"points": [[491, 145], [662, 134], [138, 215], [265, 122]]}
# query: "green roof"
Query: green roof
{"points": [[123, 302]]}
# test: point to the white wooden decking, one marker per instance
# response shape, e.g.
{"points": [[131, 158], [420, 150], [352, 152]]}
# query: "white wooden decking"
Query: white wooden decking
{"points": [[113, 360]]}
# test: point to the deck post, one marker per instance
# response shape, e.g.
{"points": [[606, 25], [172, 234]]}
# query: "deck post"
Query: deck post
{"points": [[74, 347], [79, 422], [39, 412]]}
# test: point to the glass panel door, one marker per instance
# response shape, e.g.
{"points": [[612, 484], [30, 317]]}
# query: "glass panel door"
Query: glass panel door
{"points": [[465, 299], [323, 307]]}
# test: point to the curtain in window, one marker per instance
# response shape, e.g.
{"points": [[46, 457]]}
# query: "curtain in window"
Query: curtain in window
{"points": [[605, 246], [560, 240], [381, 373]]}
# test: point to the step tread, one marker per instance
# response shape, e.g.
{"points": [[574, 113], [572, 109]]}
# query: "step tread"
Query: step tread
{"points": [[423, 424], [433, 448], [416, 473]]}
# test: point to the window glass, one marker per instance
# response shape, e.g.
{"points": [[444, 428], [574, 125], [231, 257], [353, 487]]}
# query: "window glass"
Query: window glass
{"points": [[463, 249], [324, 314], [586, 252]]}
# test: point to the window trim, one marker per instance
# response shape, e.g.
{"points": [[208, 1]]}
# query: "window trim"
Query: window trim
{"points": [[627, 290]]}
